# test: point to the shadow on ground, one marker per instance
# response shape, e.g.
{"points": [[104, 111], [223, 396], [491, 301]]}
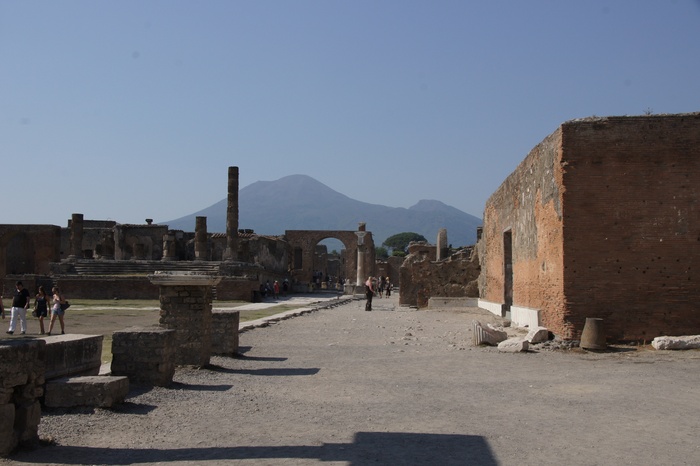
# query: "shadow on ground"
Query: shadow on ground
{"points": [[366, 448]]}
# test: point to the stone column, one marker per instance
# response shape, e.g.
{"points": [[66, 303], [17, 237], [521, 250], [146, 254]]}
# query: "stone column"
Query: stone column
{"points": [[442, 249], [361, 254], [200, 239], [185, 306], [231, 252], [76, 237]]}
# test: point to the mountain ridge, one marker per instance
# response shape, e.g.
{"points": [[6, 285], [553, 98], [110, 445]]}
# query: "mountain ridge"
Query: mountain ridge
{"points": [[300, 202]]}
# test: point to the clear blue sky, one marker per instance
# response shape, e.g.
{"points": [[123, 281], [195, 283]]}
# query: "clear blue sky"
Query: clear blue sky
{"points": [[127, 110]]}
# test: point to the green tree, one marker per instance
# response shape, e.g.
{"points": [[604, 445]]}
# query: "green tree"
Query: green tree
{"points": [[381, 253], [399, 242]]}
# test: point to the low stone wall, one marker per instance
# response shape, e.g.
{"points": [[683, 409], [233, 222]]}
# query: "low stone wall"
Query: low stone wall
{"points": [[107, 287], [73, 354], [236, 289], [22, 364], [224, 332], [145, 355]]}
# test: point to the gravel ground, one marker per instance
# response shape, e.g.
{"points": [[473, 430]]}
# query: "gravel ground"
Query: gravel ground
{"points": [[394, 386]]}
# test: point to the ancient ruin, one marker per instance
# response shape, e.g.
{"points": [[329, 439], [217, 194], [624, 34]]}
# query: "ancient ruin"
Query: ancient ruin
{"points": [[599, 221]]}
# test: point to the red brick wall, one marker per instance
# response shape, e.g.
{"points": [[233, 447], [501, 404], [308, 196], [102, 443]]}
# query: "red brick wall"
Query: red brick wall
{"points": [[528, 203], [632, 224], [605, 219]]}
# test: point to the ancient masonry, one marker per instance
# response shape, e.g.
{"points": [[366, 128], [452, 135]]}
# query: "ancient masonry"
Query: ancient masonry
{"points": [[599, 221]]}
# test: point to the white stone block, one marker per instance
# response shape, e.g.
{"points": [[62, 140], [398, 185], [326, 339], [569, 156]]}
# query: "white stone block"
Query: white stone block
{"points": [[514, 345], [676, 343], [537, 335]]}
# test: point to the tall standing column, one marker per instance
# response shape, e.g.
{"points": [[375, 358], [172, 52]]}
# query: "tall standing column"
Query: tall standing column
{"points": [[200, 239], [231, 252], [76, 236], [361, 254]]}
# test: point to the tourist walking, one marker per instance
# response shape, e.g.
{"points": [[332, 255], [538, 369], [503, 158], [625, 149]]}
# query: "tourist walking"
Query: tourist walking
{"points": [[20, 304], [369, 292], [389, 287], [57, 310], [276, 289], [41, 307]]}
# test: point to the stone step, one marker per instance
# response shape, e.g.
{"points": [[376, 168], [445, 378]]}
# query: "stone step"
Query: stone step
{"points": [[91, 267], [94, 391]]}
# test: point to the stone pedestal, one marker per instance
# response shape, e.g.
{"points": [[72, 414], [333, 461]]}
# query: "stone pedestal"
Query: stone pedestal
{"points": [[225, 324], [185, 306], [145, 355]]}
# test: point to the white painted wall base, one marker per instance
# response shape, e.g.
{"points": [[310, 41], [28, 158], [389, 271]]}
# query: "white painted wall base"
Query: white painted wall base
{"points": [[519, 316], [493, 308], [525, 317]]}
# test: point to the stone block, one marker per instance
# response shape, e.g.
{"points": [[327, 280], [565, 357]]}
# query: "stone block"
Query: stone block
{"points": [[224, 332], [537, 335], [96, 391], [8, 440], [676, 343], [514, 345], [74, 354], [145, 355]]}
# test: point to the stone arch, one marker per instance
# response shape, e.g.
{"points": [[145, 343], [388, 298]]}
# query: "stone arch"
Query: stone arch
{"points": [[302, 244]]}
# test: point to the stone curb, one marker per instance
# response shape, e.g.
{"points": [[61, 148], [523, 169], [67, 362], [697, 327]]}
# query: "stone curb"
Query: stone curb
{"points": [[266, 321]]}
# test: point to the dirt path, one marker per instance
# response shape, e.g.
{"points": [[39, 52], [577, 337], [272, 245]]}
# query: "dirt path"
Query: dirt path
{"points": [[394, 386]]}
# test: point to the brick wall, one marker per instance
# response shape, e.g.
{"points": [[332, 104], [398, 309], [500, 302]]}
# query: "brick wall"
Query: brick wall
{"points": [[632, 224], [605, 222], [528, 205]]}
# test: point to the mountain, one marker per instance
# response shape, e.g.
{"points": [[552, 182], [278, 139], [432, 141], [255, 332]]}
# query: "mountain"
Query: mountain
{"points": [[299, 202]]}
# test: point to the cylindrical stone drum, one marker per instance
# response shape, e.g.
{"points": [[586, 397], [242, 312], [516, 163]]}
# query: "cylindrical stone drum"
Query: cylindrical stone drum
{"points": [[593, 336]]}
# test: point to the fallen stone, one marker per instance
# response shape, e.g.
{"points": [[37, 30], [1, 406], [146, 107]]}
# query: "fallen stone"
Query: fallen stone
{"points": [[514, 345], [537, 335], [676, 343], [486, 335]]}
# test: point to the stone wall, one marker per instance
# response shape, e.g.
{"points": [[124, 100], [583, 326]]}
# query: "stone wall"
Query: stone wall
{"points": [[604, 223], [21, 386], [111, 287], [422, 278], [28, 249]]}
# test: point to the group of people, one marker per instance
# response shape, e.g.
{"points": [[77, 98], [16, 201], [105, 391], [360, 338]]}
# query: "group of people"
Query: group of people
{"points": [[377, 286], [43, 304]]}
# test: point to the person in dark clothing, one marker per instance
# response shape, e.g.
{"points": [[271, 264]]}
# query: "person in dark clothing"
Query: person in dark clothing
{"points": [[369, 293], [41, 307]]}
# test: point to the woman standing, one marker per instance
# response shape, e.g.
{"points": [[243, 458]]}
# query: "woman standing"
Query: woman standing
{"points": [[41, 307], [56, 309]]}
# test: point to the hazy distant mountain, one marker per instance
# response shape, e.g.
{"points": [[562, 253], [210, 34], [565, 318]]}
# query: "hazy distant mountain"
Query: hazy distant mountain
{"points": [[299, 202]]}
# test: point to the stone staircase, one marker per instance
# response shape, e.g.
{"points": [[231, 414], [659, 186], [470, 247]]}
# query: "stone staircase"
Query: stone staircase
{"points": [[142, 267]]}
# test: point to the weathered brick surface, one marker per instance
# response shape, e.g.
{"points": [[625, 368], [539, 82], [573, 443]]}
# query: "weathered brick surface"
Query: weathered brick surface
{"points": [[605, 224], [187, 310], [224, 332], [145, 355], [21, 384]]}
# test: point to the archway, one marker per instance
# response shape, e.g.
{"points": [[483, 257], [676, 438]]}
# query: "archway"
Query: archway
{"points": [[303, 245]]}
